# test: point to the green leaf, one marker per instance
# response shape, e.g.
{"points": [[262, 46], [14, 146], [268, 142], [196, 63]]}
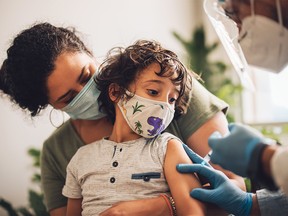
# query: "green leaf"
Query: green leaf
{"points": [[37, 204], [35, 154], [8, 207], [211, 72], [24, 211]]}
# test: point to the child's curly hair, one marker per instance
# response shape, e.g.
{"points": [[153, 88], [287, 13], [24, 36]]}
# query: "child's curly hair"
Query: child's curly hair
{"points": [[122, 66]]}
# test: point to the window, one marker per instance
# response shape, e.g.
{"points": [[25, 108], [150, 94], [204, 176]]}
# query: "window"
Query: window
{"points": [[268, 104]]}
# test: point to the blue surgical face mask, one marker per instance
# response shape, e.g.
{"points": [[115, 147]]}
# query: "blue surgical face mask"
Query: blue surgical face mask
{"points": [[85, 104]]}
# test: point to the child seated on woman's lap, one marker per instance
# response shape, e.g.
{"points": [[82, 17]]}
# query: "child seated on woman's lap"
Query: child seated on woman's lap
{"points": [[142, 86]]}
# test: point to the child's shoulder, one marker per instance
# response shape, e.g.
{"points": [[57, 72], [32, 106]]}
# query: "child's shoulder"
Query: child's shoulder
{"points": [[166, 137]]}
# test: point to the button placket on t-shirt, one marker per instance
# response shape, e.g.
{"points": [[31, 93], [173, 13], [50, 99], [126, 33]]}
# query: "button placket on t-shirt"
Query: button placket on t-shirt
{"points": [[115, 166]]}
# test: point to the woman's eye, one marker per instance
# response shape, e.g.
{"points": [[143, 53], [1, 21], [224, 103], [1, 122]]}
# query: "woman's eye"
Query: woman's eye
{"points": [[68, 100], [85, 79]]}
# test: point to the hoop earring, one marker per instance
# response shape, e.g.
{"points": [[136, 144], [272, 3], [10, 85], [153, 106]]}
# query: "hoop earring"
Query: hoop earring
{"points": [[50, 118]]}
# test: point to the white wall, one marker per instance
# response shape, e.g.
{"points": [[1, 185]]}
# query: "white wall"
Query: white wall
{"points": [[106, 23]]}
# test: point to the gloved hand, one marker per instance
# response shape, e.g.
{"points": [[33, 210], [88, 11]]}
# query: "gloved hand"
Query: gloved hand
{"points": [[233, 152], [223, 192]]}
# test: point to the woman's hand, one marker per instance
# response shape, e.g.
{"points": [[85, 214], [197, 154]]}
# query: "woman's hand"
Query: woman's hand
{"points": [[154, 207]]}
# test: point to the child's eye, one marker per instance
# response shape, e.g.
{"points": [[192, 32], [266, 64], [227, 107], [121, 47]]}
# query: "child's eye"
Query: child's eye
{"points": [[172, 100], [152, 92]]}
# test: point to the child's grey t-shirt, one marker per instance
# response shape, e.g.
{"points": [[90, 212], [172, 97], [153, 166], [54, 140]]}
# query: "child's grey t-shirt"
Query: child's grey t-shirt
{"points": [[105, 172]]}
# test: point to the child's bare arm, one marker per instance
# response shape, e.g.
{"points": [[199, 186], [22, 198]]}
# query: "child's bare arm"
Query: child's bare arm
{"points": [[181, 184]]}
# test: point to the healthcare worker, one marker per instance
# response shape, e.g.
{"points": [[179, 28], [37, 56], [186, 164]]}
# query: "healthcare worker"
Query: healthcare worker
{"points": [[263, 38]]}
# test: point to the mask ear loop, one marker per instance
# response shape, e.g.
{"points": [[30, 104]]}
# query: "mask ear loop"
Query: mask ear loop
{"points": [[279, 13], [244, 34], [50, 119], [252, 8]]}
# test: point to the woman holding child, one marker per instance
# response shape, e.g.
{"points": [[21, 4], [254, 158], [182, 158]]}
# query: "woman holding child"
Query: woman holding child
{"points": [[51, 65]]}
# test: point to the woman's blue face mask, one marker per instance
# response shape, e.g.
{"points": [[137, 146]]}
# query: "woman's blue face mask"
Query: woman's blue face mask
{"points": [[85, 104]]}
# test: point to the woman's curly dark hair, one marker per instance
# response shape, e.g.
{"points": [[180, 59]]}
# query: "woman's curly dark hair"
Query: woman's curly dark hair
{"points": [[122, 66], [31, 59]]}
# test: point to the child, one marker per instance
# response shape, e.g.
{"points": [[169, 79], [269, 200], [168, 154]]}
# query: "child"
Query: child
{"points": [[141, 88]]}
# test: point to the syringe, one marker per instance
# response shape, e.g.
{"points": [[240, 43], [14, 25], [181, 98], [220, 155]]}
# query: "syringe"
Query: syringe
{"points": [[207, 158]]}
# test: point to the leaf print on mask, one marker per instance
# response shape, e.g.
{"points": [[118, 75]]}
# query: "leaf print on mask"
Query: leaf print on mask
{"points": [[137, 110], [157, 123], [137, 107], [138, 127]]}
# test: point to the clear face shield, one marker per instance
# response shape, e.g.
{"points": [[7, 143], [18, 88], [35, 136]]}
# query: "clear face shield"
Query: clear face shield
{"points": [[263, 41], [228, 34]]}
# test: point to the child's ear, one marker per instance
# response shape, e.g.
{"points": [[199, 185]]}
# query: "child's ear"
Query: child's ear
{"points": [[114, 91]]}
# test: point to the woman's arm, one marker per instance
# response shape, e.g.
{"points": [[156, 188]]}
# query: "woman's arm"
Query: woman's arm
{"points": [[58, 211], [181, 184], [74, 207], [198, 141]]}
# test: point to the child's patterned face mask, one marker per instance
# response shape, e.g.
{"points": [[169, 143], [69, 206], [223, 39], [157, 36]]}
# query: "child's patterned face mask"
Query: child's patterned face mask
{"points": [[146, 117]]}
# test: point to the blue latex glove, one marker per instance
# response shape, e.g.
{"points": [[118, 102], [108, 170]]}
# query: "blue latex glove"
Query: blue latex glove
{"points": [[223, 192], [233, 152]]}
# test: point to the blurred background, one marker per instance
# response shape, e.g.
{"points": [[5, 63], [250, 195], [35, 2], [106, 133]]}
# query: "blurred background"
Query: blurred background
{"points": [[181, 26]]}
